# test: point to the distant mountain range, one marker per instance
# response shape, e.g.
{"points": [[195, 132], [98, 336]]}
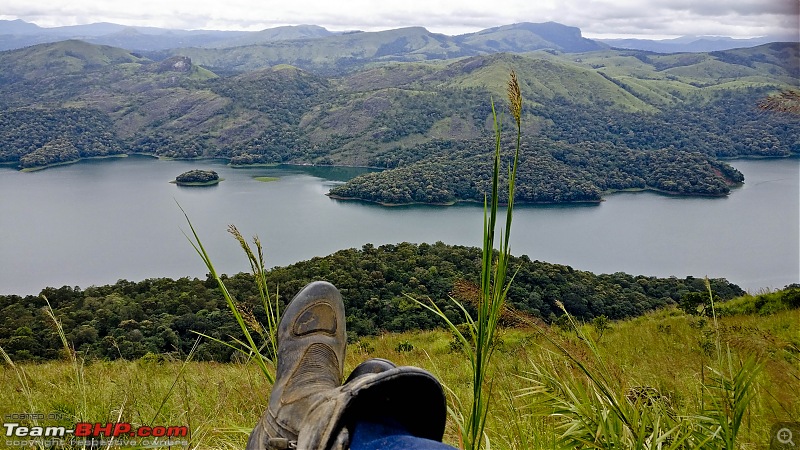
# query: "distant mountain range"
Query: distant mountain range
{"points": [[346, 52], [518, 38], [694, 44]]}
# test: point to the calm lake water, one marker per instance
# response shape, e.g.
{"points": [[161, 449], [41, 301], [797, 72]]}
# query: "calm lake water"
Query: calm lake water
{"points": [[98, 221]]}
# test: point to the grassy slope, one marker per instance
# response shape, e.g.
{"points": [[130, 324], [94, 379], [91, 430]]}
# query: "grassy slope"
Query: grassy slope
{"points": [[66, 57], [674, 78], [666, 350], [542, 77], [617, 79]]}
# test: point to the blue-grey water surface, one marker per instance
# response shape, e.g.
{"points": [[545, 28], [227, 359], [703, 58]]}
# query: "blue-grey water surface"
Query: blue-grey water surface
{"points": [[98, 221]]}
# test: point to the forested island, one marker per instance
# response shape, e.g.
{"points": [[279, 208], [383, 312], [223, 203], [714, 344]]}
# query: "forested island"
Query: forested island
{"points": [[595, 122], [197, 177], [549, 172], [129, 319]]}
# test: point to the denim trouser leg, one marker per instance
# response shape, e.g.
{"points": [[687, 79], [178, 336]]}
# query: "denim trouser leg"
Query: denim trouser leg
{"points": [[386, 434]]}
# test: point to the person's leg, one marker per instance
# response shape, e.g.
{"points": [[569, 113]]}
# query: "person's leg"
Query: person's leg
{"points": [[385, 433], [309, 408], [311, 346]]}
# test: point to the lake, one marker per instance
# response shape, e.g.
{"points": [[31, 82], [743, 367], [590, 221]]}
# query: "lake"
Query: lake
{"points": [[98, 221]]}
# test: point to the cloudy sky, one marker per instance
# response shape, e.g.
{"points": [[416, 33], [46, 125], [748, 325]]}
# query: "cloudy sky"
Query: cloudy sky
{"points": [[597, 18]]}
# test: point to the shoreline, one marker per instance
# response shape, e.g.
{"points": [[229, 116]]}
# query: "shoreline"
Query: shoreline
{"points": [[668, 193], [456, 202], [197, 183], [252, 166], [272, 165], [357, 199], [522, 203], [756, 157], [72, 161]]}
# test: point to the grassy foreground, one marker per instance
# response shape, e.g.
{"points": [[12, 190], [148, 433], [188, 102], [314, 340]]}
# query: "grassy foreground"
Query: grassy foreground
{"points": [[667, 351]]}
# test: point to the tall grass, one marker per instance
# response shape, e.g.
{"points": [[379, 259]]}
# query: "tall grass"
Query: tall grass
{"points": [[221, 401], [80, 404], [81, 407], [478, 341], [592, 405], [595, 407], [731, 390], [245, 319]]}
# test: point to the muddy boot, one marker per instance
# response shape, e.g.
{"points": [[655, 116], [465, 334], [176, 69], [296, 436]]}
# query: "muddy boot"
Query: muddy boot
{"points": [[409, 397], [311, 349]]}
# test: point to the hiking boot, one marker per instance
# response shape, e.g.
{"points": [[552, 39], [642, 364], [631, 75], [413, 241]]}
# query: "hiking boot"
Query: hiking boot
{"points": [[409, 397], [311, 349]]}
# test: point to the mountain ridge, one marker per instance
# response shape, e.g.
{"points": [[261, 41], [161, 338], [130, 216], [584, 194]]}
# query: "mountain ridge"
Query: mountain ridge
{"points": [[693, 44], [18, 33]]}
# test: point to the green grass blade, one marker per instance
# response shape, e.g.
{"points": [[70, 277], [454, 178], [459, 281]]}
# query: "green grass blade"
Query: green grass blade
{"points": [[198, 246]]}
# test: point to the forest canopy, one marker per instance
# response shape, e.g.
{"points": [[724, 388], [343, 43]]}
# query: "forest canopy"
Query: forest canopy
{"points": [[162, 316], [198, 177], [549, 172]]}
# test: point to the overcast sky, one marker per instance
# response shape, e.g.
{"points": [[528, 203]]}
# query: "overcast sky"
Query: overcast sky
{"points": [[655, 19]]}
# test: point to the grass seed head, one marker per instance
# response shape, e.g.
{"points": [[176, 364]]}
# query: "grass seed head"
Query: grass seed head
{"points": [[515, 98]]}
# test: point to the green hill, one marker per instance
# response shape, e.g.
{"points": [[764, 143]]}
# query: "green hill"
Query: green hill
{"points": [[329, 55], [549, 172], [375, 282], [284, 33], [392, 114], [61, 59]]}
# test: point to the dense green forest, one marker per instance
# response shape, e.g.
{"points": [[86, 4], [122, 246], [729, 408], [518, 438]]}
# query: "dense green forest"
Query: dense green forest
{"points": [[729, 125], [38, 137], [129, 319], [198, 177], [595, 121], [549, 172]]}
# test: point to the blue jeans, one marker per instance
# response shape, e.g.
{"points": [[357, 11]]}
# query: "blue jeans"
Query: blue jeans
{"points": [[387, 434]]}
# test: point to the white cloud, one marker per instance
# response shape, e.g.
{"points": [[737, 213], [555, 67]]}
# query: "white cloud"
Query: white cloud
{"points": [[738, 18]]}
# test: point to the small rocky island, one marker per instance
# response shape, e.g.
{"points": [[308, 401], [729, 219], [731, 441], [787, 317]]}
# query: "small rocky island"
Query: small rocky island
{"points": [[197, 177]]}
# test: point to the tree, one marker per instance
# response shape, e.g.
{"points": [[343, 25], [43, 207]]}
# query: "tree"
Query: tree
{"points": [[696, 304]]}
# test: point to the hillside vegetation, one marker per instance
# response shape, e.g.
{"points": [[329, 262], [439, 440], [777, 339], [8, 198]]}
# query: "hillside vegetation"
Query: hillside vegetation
{"points": [[549, 172], [604, 120], [130, 319]]}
